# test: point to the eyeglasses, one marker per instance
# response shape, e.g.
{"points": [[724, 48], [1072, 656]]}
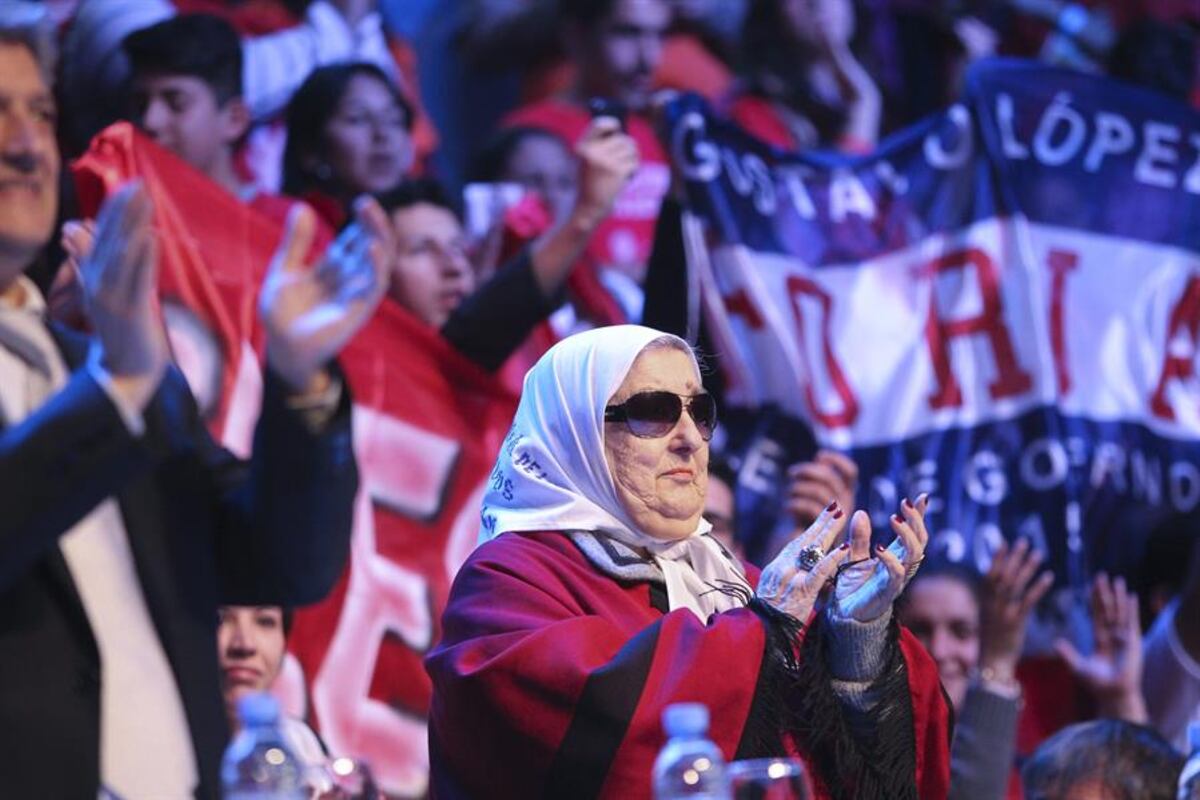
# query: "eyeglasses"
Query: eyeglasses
{"points": [[651, 415]]}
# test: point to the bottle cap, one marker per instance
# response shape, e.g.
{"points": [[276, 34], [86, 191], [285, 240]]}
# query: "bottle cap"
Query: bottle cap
{"points": [[685, 719], [259, 708]]}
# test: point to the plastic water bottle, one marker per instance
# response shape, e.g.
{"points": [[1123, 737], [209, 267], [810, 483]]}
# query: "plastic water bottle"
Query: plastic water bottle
{"points": [[1189, 779], [689, 765], [258, 764]]}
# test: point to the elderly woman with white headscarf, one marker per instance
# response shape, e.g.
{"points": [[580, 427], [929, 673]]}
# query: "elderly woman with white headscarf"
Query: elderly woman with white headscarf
{"points": [[597, 598]]}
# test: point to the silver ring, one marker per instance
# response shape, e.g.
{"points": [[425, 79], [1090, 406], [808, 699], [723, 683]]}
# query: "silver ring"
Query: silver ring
{"points": [[809, 557]]}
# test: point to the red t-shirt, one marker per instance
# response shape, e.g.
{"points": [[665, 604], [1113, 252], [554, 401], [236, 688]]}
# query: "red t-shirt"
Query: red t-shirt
{"points": [[624, 240]]}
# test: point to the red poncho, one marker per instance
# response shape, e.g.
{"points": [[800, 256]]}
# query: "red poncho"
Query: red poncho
{"points": [[551, 678]]}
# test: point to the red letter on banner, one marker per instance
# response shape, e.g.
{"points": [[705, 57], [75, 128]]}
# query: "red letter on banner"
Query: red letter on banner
{"points": [[1185, 317], [1012, 380], [1060, 263], [739, 303], [801, 286]]}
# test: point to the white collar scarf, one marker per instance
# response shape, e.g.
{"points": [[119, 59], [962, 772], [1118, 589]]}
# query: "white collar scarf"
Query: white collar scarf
{"points": [[552, 474]]}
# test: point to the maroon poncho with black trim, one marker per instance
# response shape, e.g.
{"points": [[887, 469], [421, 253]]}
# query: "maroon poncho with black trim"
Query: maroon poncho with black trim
{"points": [[551, 677]]}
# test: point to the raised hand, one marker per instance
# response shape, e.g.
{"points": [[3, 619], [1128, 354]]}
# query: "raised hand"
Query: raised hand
{"points": [[866, 589], [64, 300], [119, 278], [1113, 670], [1011, 590], [608, 157], [792, 582], [311, 312]]}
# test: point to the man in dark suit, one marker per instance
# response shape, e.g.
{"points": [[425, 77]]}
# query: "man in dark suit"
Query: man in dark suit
{"points": [[124, 526]]}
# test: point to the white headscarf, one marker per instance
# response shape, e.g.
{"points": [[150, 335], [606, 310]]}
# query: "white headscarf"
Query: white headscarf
{"points": [[552, 473]]}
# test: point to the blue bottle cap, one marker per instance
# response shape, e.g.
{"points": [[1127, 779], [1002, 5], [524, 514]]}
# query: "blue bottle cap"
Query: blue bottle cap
{"points": [[685, 719], [259, 708]]}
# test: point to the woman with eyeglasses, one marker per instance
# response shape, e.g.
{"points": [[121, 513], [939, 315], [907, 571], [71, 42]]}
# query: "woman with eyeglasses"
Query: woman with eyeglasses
{"points": [[597, 597]]}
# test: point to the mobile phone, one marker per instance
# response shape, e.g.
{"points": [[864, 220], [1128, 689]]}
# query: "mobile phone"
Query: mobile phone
{"points": [[608, 107]]}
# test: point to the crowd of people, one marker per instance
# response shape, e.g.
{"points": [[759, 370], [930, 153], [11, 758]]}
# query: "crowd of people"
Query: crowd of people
{"points": [[157, 573]]}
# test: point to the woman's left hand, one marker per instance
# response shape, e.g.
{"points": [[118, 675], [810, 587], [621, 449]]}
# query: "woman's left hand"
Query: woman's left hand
{"points": [[866, 589]]}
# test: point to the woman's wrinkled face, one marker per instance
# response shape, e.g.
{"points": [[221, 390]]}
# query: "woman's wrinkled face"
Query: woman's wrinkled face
{"points": [[660, 482], [943, 614]]}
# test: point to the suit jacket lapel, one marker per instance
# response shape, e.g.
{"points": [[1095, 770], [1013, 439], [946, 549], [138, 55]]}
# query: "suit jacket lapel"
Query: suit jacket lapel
{"points": [[74, 352]]}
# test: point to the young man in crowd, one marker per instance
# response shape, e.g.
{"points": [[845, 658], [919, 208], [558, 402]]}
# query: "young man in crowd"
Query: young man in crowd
{"points": [[124, 525], [616, 46], [186, 95]]}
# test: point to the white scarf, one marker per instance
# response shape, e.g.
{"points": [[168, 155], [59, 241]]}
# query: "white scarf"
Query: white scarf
{"points": [[552, 474]]}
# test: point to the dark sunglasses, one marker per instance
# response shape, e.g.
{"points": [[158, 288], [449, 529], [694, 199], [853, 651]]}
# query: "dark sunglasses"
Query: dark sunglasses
{"points": [[651, 415]]}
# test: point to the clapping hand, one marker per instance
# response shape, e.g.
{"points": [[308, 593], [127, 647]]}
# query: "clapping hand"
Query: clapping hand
{"points": [[1113, 670], [64, 300], [792, 581], [119, 276], [866, 589], [1011, 590], [311, 312]]}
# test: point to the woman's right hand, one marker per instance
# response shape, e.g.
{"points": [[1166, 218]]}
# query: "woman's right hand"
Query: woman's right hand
{"points": [[787, 587]]}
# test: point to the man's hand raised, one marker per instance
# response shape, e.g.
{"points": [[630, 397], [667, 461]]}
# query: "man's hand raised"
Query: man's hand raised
{"points": [[120, 277], [310, 312]]}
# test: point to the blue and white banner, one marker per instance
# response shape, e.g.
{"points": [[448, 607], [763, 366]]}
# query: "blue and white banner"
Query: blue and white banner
{"points": [[1000, 306]]}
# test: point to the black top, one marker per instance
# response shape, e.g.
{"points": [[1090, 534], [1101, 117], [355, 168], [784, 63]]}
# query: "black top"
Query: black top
{"points": [[498, 317]]}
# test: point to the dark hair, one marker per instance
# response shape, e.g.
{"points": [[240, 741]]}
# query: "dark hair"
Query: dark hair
{"points": [[1156, 55], [720, 468], [418, 190], [491, 163], [775, 65], [584, 12], [311, 108], [1131, 762], [949, 570], [196, 45]]}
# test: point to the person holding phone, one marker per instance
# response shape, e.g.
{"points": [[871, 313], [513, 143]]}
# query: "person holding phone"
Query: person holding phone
{"points": [[432, 276], [616, 47]]}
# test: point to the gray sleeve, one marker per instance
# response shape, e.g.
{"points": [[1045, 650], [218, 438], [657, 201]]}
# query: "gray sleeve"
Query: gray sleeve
{"points": [[984, 746], [858, 653]]}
